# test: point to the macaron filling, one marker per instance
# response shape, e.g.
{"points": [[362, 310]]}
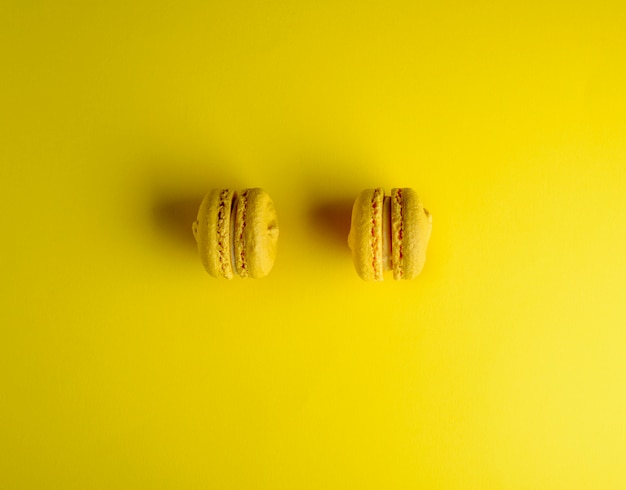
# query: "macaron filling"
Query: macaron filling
{"points": [[387, 242], [377, 238], [241, 262], [397, 233], [231, 235]]}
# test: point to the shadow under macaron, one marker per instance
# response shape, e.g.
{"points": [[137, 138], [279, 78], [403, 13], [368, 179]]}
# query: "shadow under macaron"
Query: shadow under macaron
{"points": [[173, 218], [330, 220], [175, 187]]}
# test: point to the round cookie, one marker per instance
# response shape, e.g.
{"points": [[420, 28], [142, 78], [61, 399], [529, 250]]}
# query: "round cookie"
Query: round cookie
{"points": [[237, 234], [389, 233]]}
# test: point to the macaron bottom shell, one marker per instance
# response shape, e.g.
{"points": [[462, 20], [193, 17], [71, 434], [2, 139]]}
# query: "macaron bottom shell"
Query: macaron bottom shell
{"points": [[212, 231], [366, 234]]}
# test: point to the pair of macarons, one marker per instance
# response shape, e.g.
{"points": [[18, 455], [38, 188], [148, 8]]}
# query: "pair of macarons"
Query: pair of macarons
{"points": [[238, 234]]}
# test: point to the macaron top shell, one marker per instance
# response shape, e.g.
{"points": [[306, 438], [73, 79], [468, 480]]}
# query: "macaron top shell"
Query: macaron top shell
{"points": [[366, 234], [255, 234], [212, 232]]}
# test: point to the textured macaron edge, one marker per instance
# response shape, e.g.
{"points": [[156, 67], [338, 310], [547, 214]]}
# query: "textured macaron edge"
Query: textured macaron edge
{"points": [[241, 215], [366, 234]]}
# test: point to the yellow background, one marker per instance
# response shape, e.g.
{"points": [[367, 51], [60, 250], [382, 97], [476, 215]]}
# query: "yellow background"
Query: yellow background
{"points": [[124, 365]]}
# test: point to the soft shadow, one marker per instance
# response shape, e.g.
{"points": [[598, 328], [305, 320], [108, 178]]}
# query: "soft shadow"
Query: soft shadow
{"points": [[175, 188], [331, 221], [173, 218]]}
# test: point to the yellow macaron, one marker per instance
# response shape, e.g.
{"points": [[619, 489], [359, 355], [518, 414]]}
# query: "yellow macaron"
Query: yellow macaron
{"points": [[237, 234], [389, 233]]}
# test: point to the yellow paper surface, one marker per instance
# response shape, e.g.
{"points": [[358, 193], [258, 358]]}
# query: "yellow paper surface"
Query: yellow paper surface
{"points": [[124, 365]]}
